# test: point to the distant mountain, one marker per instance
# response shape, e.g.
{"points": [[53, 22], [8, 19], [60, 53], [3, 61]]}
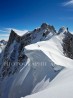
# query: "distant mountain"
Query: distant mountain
{"points": [[35, 62], [2, 44]]}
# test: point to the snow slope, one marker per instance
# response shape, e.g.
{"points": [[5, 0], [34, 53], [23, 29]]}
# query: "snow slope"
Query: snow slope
{"points": [[60, 87], [62, 84], [53, 49], [37, 72]]}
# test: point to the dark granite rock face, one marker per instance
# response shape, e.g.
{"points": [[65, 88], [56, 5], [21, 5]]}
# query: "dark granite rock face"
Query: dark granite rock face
{"points": [[13, 36], [68, 45], [44, 26], [67, 41]]}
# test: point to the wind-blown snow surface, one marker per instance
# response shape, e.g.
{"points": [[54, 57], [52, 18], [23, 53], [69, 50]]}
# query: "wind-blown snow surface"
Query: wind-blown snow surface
{"points": [[53, 49], [34, 77], [62, 84], [60, 87]]}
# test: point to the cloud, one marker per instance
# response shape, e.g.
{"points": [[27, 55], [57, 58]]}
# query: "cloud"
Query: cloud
{"points": [[68, 3], [19, 32], [4, 33]]}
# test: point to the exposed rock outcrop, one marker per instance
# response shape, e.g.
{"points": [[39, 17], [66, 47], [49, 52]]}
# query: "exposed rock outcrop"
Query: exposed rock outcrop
{"points": [[68, 45]]}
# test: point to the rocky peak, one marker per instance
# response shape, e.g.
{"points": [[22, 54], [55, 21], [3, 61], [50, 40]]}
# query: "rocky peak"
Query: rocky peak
{"points": [[68, 45], [13, 36], [44, 26], [63, 30], [3, 42], [48, 27]]}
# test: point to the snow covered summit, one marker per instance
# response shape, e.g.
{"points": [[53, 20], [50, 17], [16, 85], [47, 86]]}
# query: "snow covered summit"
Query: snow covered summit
{"points": [[37, 64]]}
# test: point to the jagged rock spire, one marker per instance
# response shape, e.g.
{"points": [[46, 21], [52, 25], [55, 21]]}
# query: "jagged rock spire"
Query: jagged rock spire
{"points": [[44, 26], [63, 30], [13, 36]]}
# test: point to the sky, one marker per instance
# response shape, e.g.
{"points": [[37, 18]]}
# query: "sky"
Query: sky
{"points": [[23, 15]]}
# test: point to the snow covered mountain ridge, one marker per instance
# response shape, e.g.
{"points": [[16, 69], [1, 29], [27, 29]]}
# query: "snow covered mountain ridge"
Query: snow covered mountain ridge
{"points": [[38, 64]]}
